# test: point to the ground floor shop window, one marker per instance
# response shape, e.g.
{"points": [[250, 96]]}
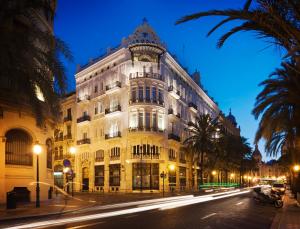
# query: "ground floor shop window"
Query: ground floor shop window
{"points": [[99, 175], [58, 176], [145, 176], [172, 178], [114, 175], [182, 176]]}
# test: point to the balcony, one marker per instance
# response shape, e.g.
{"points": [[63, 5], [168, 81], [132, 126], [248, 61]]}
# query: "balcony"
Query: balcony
{"points": [[113, 135], [193, 107], [113, 110], [173, 92], [174, 137], [85, 98], [84, 141], [171, 158], [59, 138], [68, 137], [145, 156], [111, 88], [99, 159], [84, 118], [144, 128], [171, 112], [114, 157], [141, 75], [147, 101], [182, 160], [68, 118]]}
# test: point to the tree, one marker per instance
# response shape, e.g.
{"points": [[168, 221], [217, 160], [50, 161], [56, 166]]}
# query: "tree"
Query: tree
{"points": [[279, 107], [276, 21], [202, 138], [29, 58]]}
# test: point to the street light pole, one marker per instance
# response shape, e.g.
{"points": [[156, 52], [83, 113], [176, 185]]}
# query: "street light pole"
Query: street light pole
{"points": [[37, 149]]}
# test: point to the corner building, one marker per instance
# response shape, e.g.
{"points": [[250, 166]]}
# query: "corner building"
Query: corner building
{"points": [[133, 106]]}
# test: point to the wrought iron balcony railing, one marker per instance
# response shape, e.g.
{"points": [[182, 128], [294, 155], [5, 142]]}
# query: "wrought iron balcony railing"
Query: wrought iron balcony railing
{"points": [[84, 118], [84, 141]]}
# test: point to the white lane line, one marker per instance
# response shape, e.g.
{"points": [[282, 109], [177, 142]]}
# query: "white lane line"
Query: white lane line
{"points": [[130, 216], [86, 225], [239, 203], [210, 215]]}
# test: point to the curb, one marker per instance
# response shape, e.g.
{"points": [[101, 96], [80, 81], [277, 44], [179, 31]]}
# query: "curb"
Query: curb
{"points": [[42, 215]]}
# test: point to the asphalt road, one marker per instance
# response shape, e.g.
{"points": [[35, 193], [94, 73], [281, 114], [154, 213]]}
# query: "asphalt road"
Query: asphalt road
{"points": [[239, 212]]}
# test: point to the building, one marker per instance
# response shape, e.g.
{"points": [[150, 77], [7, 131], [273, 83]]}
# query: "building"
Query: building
{"points": [[133, 106], [18, 134]]}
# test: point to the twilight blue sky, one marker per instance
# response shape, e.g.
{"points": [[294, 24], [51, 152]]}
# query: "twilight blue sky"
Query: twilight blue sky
{"points": [[230, 74]]}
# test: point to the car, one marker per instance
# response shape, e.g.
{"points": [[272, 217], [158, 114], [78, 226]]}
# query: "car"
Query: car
{"points": [[278, 188]]}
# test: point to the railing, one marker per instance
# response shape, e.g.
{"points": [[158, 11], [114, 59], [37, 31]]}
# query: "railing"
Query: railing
{"points": [[68, 136], [171, 111], [151, 75], [114, 157], [171, 88], [172, 158], [191, 104], [58, 157], [182, 160], [68, 118], [174, 137], [99, 159], [84, 98], [84, 118], [145, 156], [147, 100], [114, 135], [113, 85], [84, 141], [143, 128], [113, 109]]}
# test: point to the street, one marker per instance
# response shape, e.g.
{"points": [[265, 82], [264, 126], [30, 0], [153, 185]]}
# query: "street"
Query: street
{"points": [[230, 212]]}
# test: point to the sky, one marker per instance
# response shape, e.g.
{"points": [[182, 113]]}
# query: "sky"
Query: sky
{"points": [[230, 75]]}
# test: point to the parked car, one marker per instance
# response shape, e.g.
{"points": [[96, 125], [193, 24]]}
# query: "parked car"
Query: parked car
{"points": [[278, 188]]}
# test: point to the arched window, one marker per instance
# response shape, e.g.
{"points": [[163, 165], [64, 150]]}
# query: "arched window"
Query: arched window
{"points": [[49, 153], [18, 148]]}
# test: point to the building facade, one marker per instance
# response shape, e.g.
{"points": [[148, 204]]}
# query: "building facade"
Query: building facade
{"points": [[133, 107], [19, 133]]}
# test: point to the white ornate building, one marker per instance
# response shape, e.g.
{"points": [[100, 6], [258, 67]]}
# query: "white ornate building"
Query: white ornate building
{"points": [[133, 106]]}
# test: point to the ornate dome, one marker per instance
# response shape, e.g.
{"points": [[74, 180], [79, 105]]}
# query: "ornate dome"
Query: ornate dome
{"points": [[144, 34], [256, 154], [231, 118]]}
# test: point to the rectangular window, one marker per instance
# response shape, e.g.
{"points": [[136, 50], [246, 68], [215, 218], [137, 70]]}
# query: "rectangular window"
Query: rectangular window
{"points": [[147, 120], [148, 94], [99, 155], [99, 175], [114, 175], [141, 93], [69, 132], [154, 121], [133, 94], [96, 89], [160, 122], [154, 94], [84, 135], [160, 95], [69, 113], [182, 176], [96, 109], [141, 119], [133, 120]]}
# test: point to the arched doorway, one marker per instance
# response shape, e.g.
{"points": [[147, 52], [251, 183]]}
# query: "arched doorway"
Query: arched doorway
{"points": [[18, 148], [85, 179]]}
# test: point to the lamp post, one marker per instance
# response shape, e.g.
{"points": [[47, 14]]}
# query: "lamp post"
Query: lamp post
{"points": [[37, 149], [72, 151]]}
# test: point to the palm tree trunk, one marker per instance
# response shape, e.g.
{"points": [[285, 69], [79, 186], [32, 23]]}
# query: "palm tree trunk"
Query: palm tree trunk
{"points": [[201, 167]]}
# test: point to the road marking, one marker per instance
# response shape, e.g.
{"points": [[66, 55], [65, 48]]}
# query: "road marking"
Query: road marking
{"points": [[239, 203], [130, 216], [210, 215], [86, 225]]}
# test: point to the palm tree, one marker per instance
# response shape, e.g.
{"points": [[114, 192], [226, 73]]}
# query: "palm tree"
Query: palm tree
{"points": [[279, 107], [202, 138], [29, 58], [276, 21]]}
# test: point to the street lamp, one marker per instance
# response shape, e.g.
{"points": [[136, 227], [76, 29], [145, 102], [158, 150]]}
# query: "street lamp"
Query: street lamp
{"points": [[296, 168], [163, 175], [37, 149]]}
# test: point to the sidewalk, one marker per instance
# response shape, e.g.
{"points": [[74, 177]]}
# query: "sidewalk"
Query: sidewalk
{"points": [[289, 216], [61, 204]]}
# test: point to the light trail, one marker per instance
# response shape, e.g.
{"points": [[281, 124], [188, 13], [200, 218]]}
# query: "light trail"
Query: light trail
{"points": [[162, 206], [210, 215]]}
